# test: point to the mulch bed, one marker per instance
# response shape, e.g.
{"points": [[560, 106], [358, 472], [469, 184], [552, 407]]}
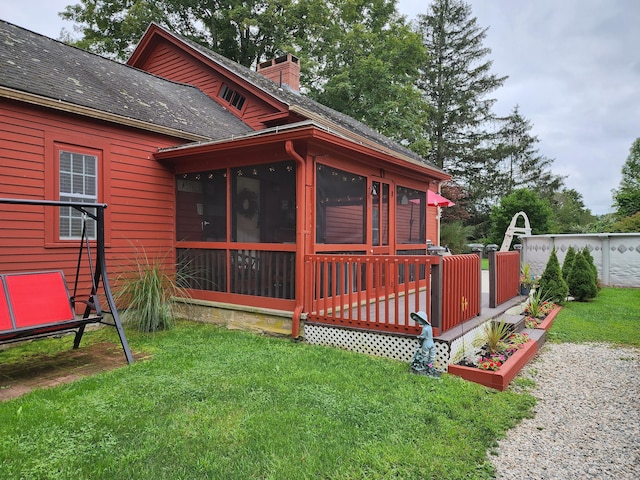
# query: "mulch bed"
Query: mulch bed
{"points": [[43, 371]]}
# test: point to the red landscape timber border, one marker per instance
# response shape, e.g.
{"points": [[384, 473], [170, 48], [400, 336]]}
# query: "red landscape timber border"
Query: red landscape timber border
{"points": [[548, 320], [498, 379]]}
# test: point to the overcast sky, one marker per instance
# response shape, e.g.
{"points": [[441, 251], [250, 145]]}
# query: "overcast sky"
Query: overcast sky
{"points": [[573, 68]]}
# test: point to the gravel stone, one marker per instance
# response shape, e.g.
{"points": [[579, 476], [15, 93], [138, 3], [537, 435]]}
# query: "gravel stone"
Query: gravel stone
{"points": [[587, 419]]}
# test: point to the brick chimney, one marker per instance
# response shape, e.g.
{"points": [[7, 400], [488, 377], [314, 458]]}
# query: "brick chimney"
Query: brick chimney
{"points": [[284, 70]]}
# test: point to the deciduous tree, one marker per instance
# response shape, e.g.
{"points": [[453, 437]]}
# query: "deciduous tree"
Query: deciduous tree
{"points": [[569, 212], [521, 200]]}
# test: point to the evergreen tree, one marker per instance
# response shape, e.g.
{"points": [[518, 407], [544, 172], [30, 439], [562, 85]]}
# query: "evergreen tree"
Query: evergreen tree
{"points": [[581, 281], [456, 82], [551, 282], [568, 263], [627, 196], [592, 265], [521, 164]]}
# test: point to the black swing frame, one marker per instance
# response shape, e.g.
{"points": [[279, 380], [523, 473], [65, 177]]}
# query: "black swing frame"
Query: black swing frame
{"points": [[93, 313]]}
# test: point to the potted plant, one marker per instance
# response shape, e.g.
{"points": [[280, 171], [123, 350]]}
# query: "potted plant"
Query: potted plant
{"points": [[527, 280]]}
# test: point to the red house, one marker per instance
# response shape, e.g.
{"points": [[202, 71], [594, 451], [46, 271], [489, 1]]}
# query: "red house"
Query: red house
{"points": [[230, 174]]}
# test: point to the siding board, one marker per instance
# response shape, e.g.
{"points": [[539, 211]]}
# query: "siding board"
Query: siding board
{"points": [[139, 189]]}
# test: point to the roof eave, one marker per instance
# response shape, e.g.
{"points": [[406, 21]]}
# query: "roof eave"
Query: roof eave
{"points": [[301, 131], [61, 105]]}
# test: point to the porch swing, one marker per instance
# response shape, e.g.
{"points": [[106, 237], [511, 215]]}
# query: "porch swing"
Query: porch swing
{"points": [[38, 304]]}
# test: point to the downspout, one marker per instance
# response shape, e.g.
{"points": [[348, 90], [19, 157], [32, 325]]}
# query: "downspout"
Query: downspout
{"points": [[300, 235]]}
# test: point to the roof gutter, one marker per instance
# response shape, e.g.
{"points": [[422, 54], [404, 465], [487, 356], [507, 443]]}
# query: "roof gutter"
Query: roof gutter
{"points": [[63, 106]]}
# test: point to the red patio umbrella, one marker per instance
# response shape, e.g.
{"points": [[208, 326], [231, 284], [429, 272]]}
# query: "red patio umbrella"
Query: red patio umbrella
{"points": [[435, 200]]}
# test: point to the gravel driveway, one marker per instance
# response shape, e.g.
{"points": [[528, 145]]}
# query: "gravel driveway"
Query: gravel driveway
{"points": [[587, 420]]}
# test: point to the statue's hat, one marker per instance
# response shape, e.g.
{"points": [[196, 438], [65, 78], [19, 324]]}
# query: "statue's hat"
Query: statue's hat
{"points": [[420, 317]]}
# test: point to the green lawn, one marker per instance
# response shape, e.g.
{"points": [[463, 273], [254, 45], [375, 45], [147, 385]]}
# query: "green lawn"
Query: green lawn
{"points": [[612, 317], [217, 404]]}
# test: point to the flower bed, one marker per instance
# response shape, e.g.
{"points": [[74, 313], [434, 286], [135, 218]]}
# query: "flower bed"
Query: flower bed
{"points": [[546, 321], [500, 378]]}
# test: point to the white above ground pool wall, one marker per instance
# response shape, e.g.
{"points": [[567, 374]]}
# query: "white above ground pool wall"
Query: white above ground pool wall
{"points": [[616, 255]]}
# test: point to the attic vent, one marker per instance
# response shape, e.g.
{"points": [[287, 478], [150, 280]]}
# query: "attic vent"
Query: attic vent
{"points": [[232, 97]]}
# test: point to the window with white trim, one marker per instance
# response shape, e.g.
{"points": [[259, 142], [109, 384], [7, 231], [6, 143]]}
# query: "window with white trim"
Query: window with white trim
{"points": [[78, 182]]}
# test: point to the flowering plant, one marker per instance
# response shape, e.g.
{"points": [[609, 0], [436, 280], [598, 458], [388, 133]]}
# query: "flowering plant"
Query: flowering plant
{"points": [[532, 322], [518, 339], [492, 362], [505, 348]]}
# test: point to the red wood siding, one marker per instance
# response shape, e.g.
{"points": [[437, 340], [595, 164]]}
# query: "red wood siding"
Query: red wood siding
{"points": [[138, 190], [344, 224], [168, 61], [432, 225]]}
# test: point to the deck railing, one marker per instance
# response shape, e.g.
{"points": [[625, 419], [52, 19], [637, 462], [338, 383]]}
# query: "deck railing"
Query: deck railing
{"points": [[461, 298], [504, 273], [374, 292]]}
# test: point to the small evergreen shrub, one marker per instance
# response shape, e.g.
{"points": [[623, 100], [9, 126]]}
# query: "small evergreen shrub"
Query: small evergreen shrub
{"points": [[582, 283], [592, 265], [568, 263], [551, 281]]}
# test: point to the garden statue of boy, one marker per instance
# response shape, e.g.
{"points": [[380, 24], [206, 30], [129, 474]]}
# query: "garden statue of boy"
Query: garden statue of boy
{"points": [[425, 356]]}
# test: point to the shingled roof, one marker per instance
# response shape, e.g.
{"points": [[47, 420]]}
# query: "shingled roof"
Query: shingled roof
{"points": [[41, 66], [295, 99]]}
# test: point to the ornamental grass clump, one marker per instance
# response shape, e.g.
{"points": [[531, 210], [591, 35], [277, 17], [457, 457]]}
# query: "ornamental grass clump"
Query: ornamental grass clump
{"points": [[537, 308], [499, 344], [146, 293], [494, 333]]}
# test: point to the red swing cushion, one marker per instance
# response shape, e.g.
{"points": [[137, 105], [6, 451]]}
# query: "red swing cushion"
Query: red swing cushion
{"points": [[5, 316], [40, 298]]}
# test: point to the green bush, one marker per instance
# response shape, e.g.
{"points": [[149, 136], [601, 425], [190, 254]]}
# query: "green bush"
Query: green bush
{"points": [[581, 281], [629, 224], [592, 265], [455, 236], [551, 281], [568, 263]]}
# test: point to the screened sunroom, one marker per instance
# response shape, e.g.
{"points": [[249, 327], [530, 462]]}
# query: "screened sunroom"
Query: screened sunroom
{"points": [[248, 211]]}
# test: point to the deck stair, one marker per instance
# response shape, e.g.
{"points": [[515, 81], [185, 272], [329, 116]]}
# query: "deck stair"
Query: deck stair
{"points": [[537, 334], [515, 322]]}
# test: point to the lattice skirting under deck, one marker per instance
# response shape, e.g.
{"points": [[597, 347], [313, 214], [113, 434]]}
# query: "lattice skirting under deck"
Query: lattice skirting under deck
{"points": [[396, 347]]}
